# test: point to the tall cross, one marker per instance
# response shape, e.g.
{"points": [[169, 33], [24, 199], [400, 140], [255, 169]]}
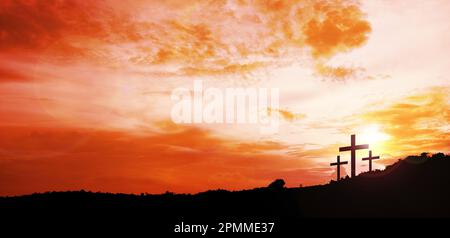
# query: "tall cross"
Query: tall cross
{"points": [[353, 148], [338, 164], [370, 158]]}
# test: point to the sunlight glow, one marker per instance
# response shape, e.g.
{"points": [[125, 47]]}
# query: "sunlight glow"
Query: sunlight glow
{"points": [[373, 135]]}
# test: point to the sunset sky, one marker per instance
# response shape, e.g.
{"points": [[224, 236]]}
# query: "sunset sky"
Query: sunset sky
{"points": [[85, 90]]}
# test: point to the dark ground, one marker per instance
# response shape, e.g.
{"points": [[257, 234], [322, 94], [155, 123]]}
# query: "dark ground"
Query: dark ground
{"points": [[415, 187]]}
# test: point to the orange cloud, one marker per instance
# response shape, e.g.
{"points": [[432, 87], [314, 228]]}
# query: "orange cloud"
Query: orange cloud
{"points": [[37, 24], [186, 159], [336, 73], [223, 70], [336, 27], [12, 75], [287, 115], [64, 43], [202, 36], [416, 124]]}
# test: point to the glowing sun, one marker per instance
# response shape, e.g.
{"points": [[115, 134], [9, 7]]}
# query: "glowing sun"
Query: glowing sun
{"points": [[373, 135]]}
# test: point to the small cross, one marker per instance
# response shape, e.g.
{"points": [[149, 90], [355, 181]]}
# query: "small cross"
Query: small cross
{"points": [[338, 164], [370, 158]]}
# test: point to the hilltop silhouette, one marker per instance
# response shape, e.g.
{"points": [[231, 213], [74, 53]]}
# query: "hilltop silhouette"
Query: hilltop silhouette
{"points": [[416, 186]]}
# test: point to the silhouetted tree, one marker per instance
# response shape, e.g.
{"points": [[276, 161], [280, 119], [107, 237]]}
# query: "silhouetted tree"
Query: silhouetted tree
{"points": [[424, 154], [277, 184], [438, 156]]}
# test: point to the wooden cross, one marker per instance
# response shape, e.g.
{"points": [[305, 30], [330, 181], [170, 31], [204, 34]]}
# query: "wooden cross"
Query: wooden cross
{"points": [[370, 158], [352, 148], [338, 164]]}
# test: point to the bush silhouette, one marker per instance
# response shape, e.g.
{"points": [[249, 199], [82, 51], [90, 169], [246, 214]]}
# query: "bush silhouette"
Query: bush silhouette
{"points": [[277, 184]]}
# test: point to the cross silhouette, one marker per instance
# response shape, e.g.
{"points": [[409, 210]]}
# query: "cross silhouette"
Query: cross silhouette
{"points": [[352, 148], [338, 164], [370, 158]]}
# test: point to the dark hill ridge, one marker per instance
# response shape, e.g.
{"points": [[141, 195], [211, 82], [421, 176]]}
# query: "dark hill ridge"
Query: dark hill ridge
{"points": [[417, 186]]}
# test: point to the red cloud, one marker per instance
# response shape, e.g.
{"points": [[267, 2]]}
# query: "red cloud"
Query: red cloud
{"points": [[204, 37], [37, 24], [8, 75], [181, 160]]}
